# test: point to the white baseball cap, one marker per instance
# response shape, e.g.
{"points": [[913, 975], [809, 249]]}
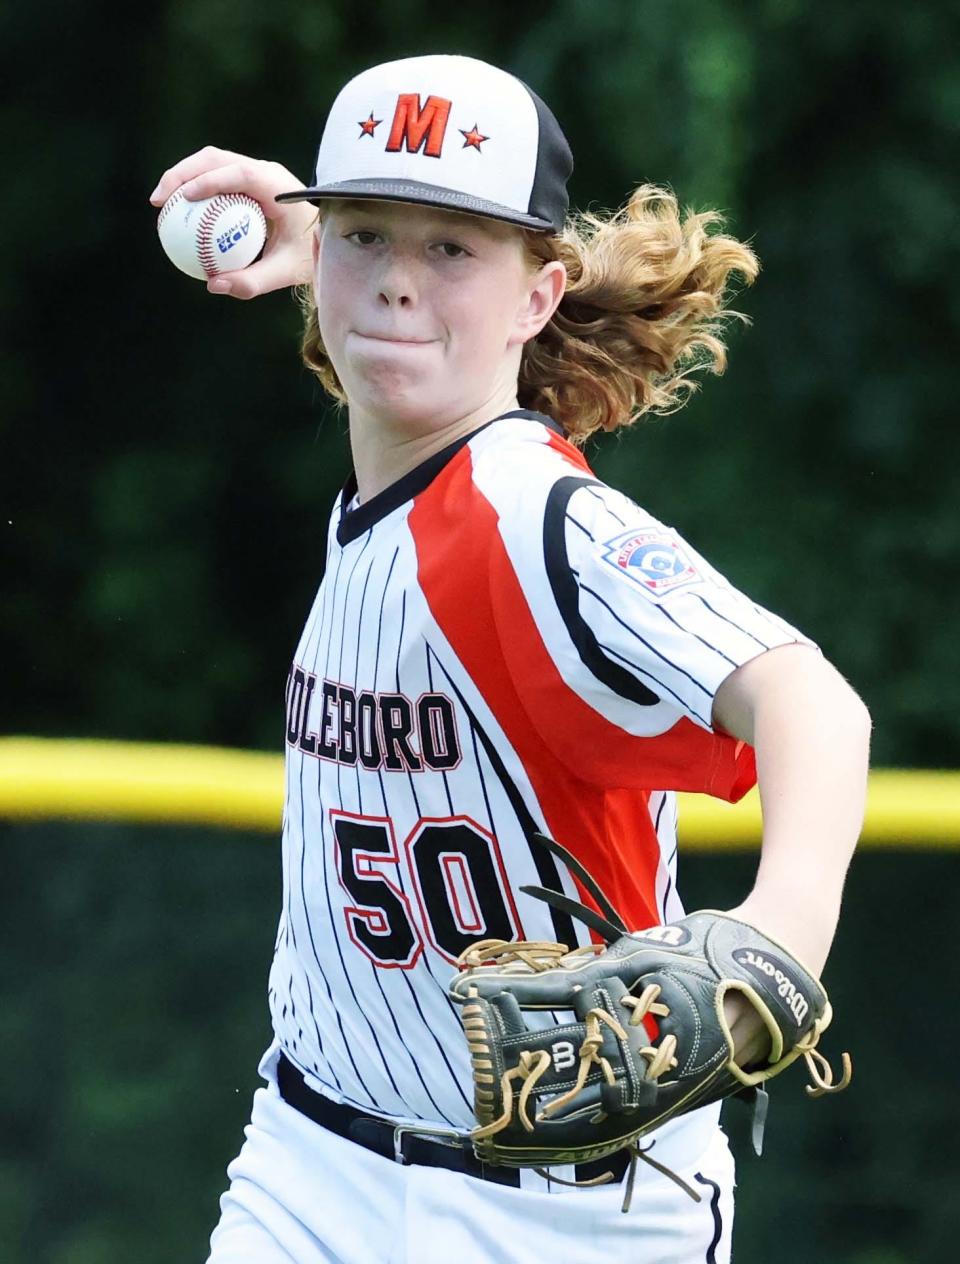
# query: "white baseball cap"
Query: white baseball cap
{"points": [[445, 131]]}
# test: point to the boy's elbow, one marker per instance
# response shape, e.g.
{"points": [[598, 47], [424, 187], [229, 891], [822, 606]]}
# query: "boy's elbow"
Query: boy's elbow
{"points": [[853, 711], [863, 714]]}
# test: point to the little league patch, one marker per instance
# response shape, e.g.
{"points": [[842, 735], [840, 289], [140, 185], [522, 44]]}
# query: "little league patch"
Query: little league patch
{"points": [[652, 559]]}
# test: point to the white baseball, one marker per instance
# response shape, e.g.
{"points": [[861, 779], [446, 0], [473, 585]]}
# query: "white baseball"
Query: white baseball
{"points": [[213, 235]]}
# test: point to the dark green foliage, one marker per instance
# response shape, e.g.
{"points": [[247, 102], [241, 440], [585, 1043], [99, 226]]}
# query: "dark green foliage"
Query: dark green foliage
{"points": [[133, 1016], [133, 1013], [167, 467]]}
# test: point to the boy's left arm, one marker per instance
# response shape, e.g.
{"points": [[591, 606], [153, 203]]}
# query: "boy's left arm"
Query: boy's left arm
{"points": [[811, 735]]}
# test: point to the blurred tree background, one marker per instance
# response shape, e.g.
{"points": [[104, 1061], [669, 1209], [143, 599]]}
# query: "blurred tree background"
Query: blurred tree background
{"points": [[166, 471]]}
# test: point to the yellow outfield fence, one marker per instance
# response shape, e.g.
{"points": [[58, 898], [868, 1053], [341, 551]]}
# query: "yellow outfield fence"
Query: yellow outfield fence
{"points": [[51, 779]]}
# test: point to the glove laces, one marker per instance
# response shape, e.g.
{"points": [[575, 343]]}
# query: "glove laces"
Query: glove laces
{"points": [[820, 1070], [658, 1060], [537, 955], [532, 1064]]}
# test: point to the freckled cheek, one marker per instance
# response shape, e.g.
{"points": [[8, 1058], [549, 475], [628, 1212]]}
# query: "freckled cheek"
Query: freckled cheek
{"points": [[337, 287], [334, 309], [481, 324]]}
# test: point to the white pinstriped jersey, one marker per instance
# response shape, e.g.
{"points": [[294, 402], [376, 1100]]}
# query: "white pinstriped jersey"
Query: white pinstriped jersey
{"points": [[500, 644]]}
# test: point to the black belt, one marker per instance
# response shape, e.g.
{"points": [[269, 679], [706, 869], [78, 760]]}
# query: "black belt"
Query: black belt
{"points": [[383, 1137]]}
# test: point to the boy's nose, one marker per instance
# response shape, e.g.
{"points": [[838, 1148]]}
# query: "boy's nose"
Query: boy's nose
{"points": [[395, 297], [398, 284]]}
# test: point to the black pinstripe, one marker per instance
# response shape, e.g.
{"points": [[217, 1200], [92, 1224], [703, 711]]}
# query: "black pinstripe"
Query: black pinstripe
{"points": [[482, 781], [711, 1255], [386, 812], [669, 886], [653, 649], [726, 619], [426, 958], [677, 624], [356, 660], [685, 705], [343, 628], [319, 627], [546, 866], [596, 496], [328, 851], [446, 782], [376, 973]]}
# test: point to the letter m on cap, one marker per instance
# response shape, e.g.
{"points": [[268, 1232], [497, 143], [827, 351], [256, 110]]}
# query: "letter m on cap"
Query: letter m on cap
{"points": [[413, 125]]}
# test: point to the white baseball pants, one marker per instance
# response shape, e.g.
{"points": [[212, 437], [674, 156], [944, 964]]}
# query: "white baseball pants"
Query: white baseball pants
{"points": [[300, 1193]]}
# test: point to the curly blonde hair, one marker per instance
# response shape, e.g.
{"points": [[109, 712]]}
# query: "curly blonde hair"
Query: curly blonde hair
{"points": [[643, 310]]}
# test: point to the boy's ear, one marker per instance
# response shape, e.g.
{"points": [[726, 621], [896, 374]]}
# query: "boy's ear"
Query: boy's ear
{"points": [[543, 299]]}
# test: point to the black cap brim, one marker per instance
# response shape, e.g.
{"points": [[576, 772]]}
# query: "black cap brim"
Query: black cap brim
{"points": [[421, 195]]}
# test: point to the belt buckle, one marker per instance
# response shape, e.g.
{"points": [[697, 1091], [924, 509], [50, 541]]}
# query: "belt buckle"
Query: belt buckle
{"points": [[443, 1136]]}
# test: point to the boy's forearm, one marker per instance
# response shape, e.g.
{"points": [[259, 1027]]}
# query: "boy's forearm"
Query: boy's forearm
{"points": [[811, 735]]}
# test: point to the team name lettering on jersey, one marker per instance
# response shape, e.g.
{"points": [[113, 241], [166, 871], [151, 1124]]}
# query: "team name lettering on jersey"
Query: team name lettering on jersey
{"points": [[387, 731], [412, 125]]}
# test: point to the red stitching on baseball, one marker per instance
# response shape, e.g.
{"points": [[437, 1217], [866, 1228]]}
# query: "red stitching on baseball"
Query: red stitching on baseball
{"points": [[168, 206], [205, 252]]}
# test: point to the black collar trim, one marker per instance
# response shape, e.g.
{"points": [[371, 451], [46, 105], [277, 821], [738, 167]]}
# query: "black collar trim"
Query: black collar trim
{"points": [[353, 523]]}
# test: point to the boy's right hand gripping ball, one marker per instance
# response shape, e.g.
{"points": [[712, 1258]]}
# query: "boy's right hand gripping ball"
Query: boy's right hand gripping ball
{"points": [[647, 1038], [213, 235]]}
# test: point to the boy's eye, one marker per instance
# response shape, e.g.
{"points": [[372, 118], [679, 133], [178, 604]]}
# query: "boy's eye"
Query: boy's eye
{"points": [[452, 251], [368, 237]]}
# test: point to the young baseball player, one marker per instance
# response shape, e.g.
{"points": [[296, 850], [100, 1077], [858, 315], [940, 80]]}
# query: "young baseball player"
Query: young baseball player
{"points": [[501, 644]]}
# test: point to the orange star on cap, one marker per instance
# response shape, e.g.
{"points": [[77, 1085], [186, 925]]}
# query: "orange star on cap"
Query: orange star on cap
{"points": [[472, 139], [369, 126]]}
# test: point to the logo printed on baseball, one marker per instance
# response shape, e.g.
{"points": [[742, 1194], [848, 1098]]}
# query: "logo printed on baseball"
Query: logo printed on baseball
{"points": [[213, 235], [226, 241], [772, 968]]}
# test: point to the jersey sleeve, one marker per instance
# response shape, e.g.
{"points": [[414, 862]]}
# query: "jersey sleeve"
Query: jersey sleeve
{"points": [[642, 632], [647, 610]]}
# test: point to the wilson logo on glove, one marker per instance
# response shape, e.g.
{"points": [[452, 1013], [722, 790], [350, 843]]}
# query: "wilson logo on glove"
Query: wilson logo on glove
{"points": [[770, 967]]}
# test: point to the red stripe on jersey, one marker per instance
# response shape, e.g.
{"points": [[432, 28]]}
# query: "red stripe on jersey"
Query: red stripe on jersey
{"points": [[591, 778], [569, 453]]}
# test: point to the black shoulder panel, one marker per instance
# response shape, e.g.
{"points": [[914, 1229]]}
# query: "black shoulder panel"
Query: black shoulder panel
{"points": [[563, 583]]}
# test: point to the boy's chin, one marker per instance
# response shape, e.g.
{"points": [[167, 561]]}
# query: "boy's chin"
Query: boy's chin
{"points": [[398, 402]]}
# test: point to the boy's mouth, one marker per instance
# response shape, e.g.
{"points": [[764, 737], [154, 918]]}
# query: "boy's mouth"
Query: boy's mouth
{"points": [[390, 338], [393, 338]]}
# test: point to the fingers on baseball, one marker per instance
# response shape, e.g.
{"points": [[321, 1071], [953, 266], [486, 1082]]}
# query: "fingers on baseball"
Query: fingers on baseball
{"points": [[262, 181], [204, 160], [275, 271], [212, 171]]}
